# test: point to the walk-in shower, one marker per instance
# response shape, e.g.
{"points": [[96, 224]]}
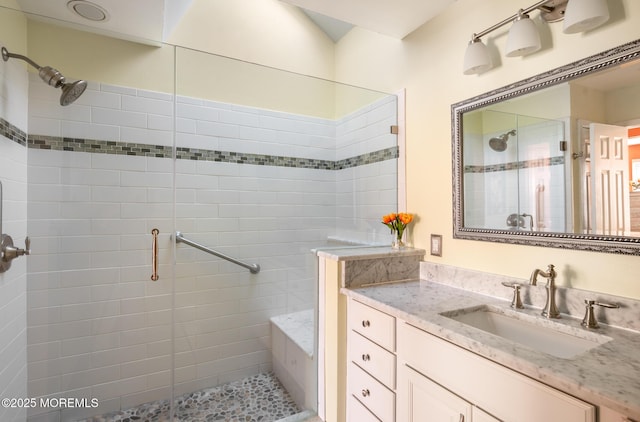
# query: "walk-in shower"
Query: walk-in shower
{"points": [[255, 163], [70, 91]]}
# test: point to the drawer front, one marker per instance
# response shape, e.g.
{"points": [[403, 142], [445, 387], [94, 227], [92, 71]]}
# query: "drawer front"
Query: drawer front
{"points": [[506, 394], [376, 397], [356, 412], [372, 358], [373, 324]]}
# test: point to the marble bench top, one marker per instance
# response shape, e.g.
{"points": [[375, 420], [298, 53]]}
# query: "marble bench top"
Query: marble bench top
{"points": [[298, 326], [608, 375]]}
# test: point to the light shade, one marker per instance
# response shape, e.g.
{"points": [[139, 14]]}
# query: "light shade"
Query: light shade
{"points": [[582, 15], [476, 58], [523, 37]]}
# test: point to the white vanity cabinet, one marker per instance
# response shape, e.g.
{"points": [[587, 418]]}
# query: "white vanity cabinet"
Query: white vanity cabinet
{"points": [[371, 370], [420, 399], [434, 372]]}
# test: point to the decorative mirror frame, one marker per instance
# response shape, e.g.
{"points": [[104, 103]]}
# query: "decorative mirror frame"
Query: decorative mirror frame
{"points": [[587, 242]]}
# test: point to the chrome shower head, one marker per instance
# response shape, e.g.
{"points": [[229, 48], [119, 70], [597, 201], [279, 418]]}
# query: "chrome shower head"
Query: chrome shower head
{"points": [[499, 143], [71, 92], [52, 77]]}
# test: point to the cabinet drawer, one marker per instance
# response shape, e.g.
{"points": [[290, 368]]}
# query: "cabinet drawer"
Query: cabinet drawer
{"points": [[356, 412], [506, 394], [376, 397], [372, 358], [373, 324]]}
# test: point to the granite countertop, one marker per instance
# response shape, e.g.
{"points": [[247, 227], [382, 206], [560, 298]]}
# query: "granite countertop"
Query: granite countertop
{"points": [[607, 375], [355, 253]]}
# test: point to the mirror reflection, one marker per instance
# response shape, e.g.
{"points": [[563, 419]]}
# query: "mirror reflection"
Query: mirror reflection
{"points": [[514, 172], [553, 160]]}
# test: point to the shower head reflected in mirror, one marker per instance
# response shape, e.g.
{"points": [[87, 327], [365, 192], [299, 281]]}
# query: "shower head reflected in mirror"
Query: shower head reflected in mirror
{"points": [[500, 143], [70, 91]]}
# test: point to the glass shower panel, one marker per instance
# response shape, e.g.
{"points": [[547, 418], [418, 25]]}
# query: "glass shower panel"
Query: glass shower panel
{"points": [[490, 173], [270, 165], [100, 178], [514, 175], [542, 182]]}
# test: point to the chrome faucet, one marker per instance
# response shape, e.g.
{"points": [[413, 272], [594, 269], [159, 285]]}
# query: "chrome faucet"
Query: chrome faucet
{"points": [[550, 310]]}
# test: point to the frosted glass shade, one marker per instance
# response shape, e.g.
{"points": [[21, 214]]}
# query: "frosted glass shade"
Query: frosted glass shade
{"points": [[476, 58], [523, 38], [582, 15]]}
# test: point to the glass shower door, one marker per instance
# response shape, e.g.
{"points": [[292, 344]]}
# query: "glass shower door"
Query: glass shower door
{"points": [[270, 165], [100, 178]]}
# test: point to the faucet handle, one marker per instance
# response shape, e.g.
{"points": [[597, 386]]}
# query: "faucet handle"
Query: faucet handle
{"points": [[516, 302], [589, 319], [27, 246]]}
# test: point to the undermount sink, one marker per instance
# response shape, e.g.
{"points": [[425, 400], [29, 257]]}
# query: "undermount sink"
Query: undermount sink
{"points": [[533, 332]]}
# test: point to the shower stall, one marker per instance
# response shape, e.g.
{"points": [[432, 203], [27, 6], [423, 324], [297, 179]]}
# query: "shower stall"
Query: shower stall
{"points": [[253, 163], [515, 172]]}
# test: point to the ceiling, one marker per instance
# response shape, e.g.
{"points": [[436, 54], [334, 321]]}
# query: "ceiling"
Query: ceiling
{"points": [[151, 21], [397, 18], [144, 21]]}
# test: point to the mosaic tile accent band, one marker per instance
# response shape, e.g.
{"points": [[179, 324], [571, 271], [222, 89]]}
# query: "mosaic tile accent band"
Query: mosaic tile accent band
{"points": [[127, 148], [516, 165], [13, 133]]}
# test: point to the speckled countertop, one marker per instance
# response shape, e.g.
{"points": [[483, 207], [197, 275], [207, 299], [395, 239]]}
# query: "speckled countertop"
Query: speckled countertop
{"points": [[607, 375]]}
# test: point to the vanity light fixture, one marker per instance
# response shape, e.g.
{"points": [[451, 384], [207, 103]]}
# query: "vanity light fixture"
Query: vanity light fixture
{"points": [[524, 38], [476, 58], [583, 15]]}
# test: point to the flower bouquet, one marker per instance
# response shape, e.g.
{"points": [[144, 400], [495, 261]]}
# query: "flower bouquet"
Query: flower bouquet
{"points": [[397, 223]]}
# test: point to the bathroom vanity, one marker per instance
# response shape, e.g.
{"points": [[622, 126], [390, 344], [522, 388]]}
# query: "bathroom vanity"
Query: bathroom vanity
{"points": [[444, 366], [412, 355]]}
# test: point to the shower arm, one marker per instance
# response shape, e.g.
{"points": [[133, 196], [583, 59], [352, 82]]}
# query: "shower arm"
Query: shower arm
{"points": [[48, 74], [6, 55]]}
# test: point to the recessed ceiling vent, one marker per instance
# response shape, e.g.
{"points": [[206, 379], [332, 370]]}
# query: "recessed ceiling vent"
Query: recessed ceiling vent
{"points": [[88, 10]]}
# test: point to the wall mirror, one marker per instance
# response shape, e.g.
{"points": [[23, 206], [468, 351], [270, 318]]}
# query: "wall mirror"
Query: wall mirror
{"points": [[553, 160]]}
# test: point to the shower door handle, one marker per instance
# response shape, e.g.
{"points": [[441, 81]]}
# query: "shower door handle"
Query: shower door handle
{"points": [[154, 255]]}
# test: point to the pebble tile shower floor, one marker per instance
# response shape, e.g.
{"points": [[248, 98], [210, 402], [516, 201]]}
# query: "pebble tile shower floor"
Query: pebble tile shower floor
{"points": [[260, 398]]}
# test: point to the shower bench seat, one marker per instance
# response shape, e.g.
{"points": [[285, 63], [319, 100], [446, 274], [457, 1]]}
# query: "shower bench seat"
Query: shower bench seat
{"points": [[292, 355]]}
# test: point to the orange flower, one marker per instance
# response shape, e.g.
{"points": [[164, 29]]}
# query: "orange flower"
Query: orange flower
{"points": [[397, 222], [405, 218], [388, 218]]}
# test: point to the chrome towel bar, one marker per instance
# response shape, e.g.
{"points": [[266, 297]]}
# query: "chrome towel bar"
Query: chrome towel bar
{"points": [[254, 268]]}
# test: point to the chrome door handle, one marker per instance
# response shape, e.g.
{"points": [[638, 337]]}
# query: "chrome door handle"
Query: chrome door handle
{"points": [[154, 255]]}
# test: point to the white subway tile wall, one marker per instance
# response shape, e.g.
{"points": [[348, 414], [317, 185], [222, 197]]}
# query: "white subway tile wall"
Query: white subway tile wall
{"points": [[13, 283], [98, 327]]}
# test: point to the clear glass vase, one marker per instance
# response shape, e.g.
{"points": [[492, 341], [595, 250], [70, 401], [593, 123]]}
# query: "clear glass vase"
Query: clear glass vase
{"points": [[396, 240]]}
